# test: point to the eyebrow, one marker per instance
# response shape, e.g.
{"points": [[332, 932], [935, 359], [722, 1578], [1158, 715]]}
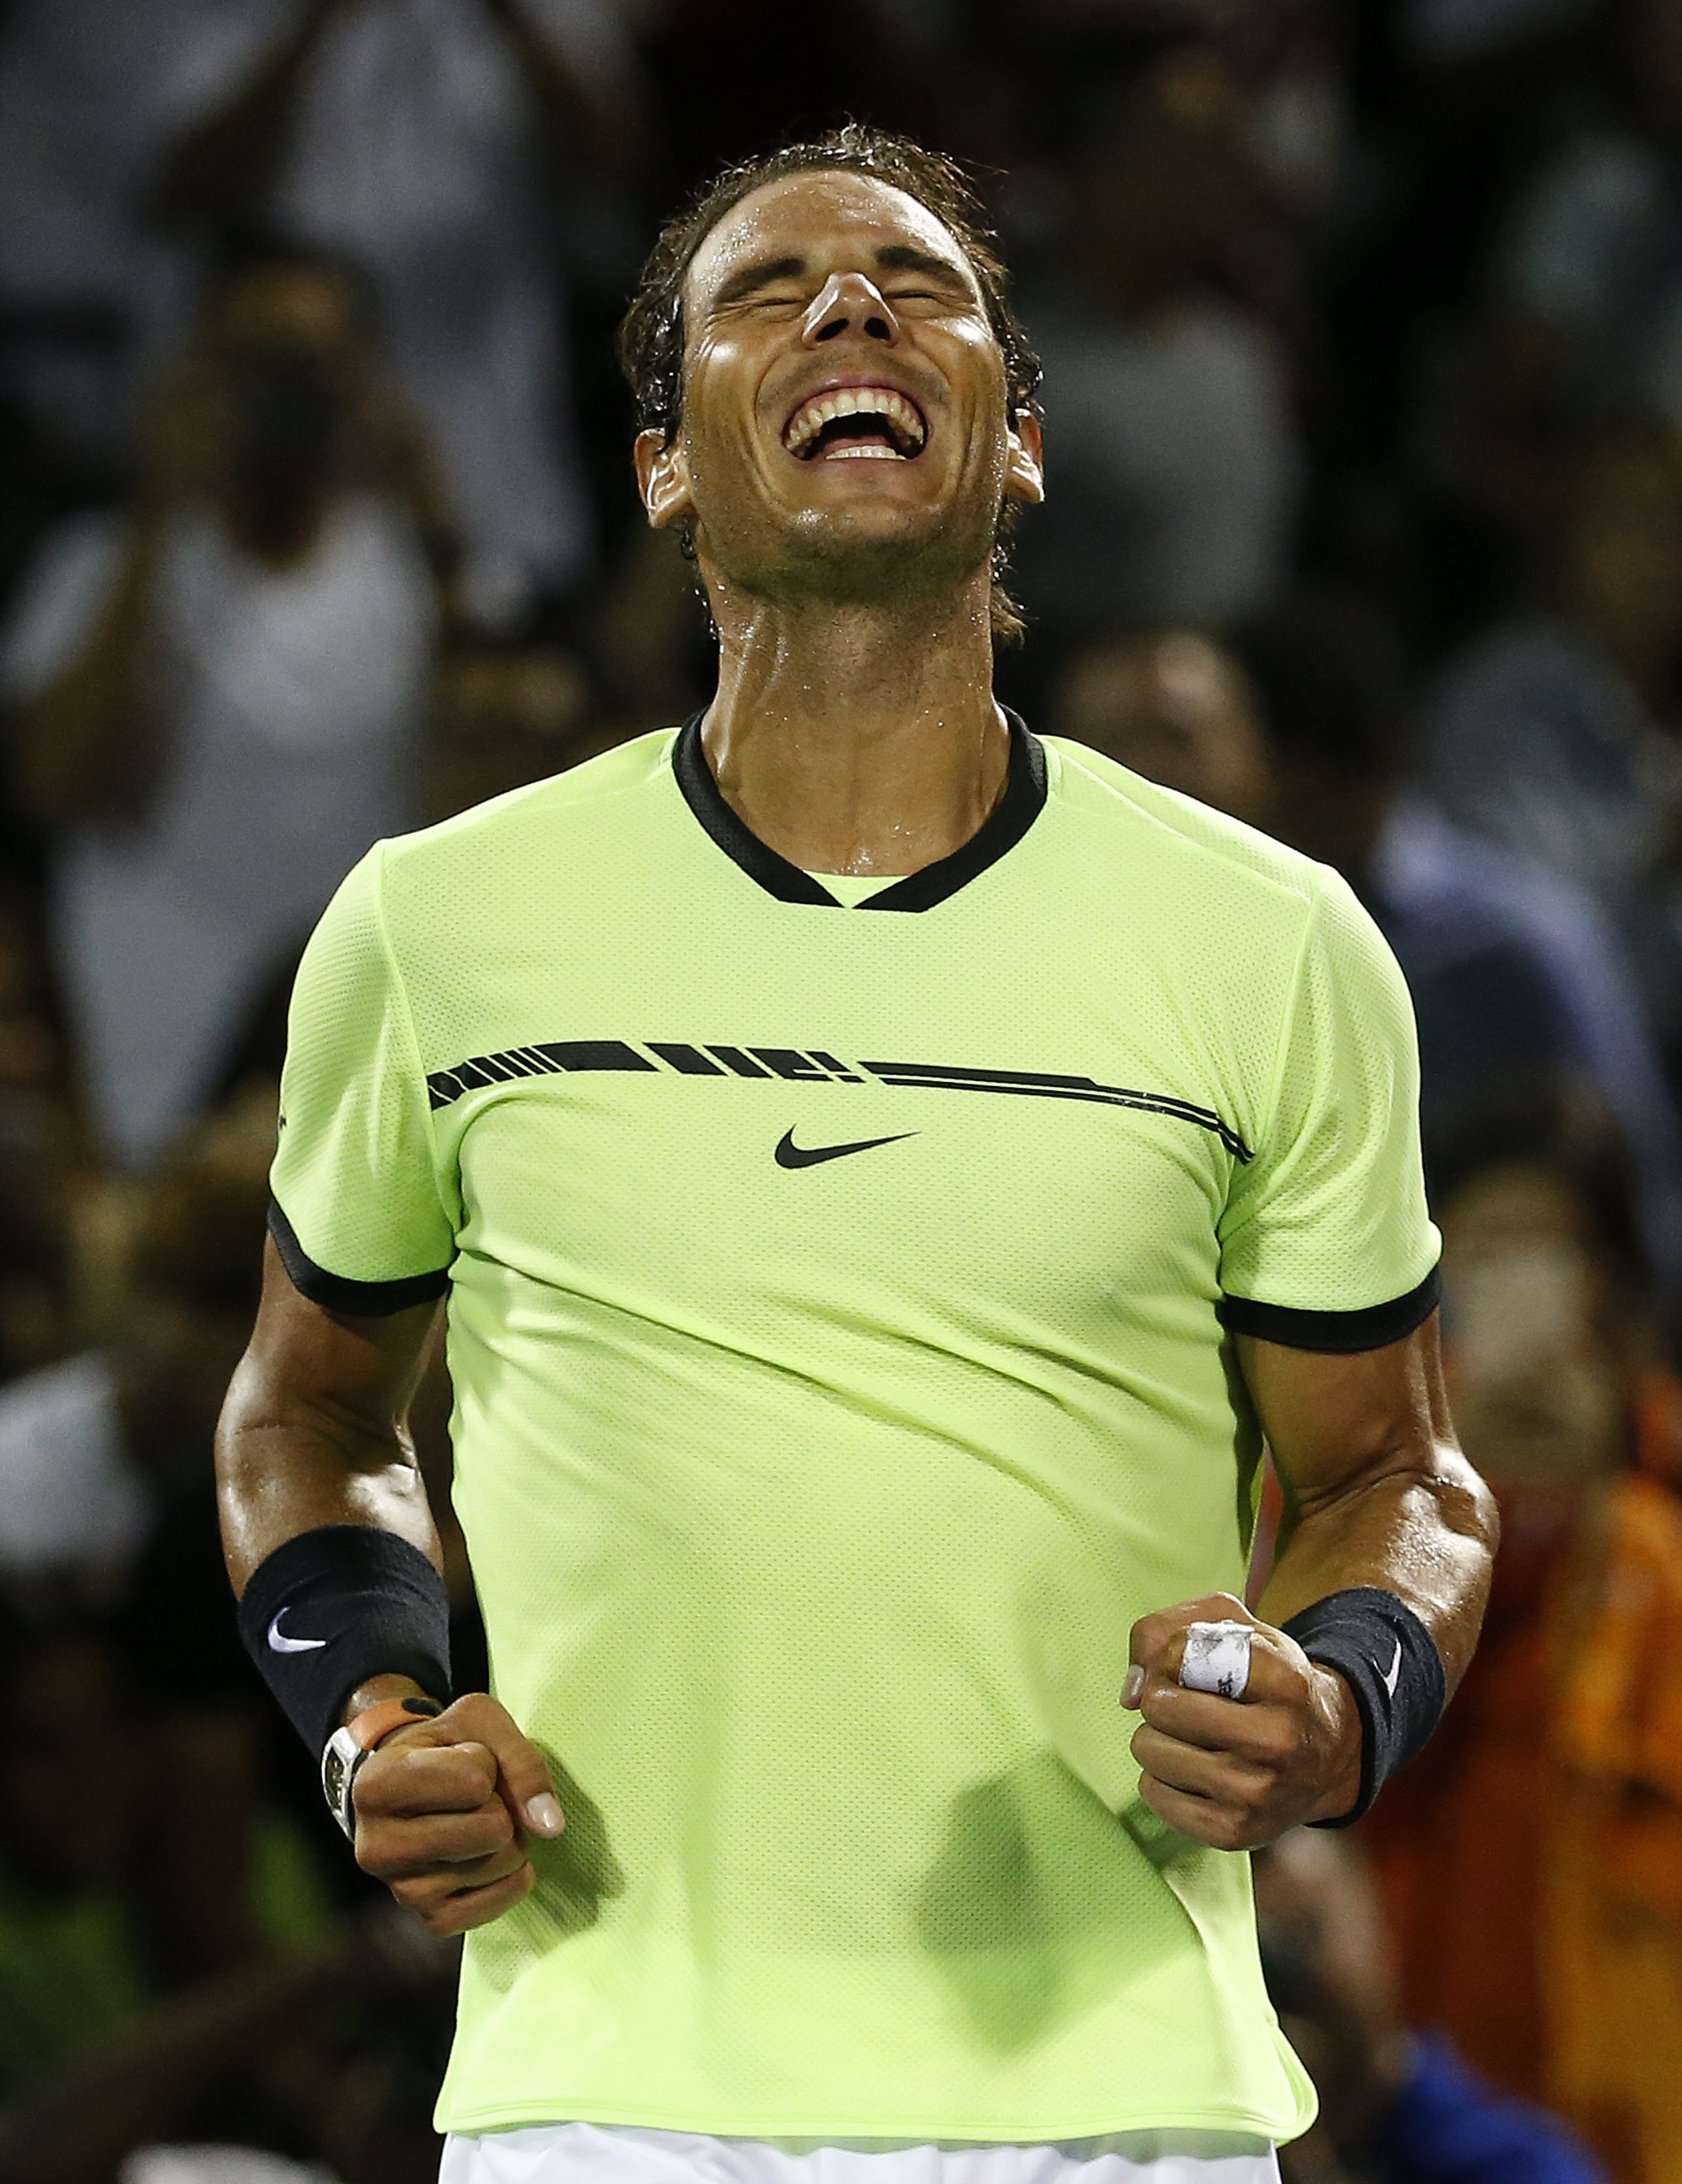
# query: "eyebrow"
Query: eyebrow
{"points": [[907, 257], [892, 258], [759, 276]]}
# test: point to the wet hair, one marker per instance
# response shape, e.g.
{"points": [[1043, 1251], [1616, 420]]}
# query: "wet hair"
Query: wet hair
{"points": [[651, 337]]}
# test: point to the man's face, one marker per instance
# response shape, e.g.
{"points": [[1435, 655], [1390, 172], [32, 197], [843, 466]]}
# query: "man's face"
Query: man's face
{"points": [[845, 431]]}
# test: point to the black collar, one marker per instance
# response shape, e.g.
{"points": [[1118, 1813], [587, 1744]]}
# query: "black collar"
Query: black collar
{"points": [[1004, 827]]}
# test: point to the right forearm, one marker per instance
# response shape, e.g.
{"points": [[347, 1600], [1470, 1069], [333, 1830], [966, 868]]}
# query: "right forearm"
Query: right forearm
{"points": [[326, 1526], [286, 1465]]}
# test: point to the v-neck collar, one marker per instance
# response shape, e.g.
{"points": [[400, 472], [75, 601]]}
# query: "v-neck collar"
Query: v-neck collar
{"points": [[1010, 819]]}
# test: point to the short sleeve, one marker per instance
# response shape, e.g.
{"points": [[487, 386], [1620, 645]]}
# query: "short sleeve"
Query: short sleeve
{"points": [[358, 1215], [1326, 1243]]}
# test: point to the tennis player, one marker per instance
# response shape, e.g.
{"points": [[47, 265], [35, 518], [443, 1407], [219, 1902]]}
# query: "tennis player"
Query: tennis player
{"points": [[888, 1174]]}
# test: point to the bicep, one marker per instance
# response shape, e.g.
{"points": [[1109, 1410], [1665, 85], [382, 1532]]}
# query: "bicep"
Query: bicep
{"points": [[1335, 1421], [1377, 1491]]}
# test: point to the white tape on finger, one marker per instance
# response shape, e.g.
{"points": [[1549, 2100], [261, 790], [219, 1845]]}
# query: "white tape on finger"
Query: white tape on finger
{"points": [[1217, 1659]]}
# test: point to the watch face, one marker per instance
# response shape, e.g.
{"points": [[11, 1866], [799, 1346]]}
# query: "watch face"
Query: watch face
{"points": [[338, 1763]]}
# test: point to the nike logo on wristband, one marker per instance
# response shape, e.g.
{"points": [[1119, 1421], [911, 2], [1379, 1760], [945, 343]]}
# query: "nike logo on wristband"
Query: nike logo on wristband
{"points": [[280, 1643], [1395, 1670]]}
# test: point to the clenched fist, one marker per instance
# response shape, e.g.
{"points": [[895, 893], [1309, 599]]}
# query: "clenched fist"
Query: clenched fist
{"points": [[1238, 1773], [442, 1810]]}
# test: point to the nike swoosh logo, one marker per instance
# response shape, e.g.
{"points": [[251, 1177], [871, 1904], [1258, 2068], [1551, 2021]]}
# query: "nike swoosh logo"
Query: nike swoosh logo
{"points": [[789, 1155], [280, 1643], [1395, 1670]]}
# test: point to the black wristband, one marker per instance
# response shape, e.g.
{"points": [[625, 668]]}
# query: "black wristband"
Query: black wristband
{"points": [[331, 1607], [1389, 1660]]}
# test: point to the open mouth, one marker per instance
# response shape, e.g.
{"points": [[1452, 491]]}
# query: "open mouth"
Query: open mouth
{"points": [[875, 423]]}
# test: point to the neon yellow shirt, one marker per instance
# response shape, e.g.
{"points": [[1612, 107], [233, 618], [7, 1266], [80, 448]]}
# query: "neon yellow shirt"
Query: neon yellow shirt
{"points": [[836, 1311]]}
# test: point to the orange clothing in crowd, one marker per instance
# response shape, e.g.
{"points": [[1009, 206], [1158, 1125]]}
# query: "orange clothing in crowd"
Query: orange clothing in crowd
{"points": [[1457, 1842], [1531, 1859]]}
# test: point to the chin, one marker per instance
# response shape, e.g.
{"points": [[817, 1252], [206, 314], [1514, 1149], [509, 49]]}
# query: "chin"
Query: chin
{"points": [[950, 540], [868, 550]]}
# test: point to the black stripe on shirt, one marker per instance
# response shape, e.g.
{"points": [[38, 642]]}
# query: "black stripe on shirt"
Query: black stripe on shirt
{"points": [[1341, 1332], [337, 1292]]}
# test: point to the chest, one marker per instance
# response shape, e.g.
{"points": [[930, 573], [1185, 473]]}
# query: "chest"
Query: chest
{"points": [[874, 1114]]}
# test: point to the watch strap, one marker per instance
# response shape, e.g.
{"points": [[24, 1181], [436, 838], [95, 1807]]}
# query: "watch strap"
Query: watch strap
{"points": [[375, 1724]]}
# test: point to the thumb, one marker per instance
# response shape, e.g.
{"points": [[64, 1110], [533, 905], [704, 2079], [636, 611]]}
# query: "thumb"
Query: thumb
{"points": [[1141, 1651], [523, 1780]]}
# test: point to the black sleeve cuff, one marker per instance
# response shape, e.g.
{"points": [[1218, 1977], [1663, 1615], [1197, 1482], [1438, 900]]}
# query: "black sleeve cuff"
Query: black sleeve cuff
{"points": [[337, 1292], [1342, 1332]]}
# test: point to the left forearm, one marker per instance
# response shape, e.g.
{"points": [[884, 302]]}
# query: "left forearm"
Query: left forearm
{"points": [[1377, 1491], [1425, 1532]]}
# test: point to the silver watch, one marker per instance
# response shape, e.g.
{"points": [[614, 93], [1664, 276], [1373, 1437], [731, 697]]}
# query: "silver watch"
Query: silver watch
{"points": [[348, 1748], [340, 1760]]}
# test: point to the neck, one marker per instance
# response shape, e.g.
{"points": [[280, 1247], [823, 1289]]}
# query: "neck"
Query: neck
{"points": [[858, 738]]}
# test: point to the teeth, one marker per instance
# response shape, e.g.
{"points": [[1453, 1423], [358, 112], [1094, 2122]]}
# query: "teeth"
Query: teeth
{"points": [[810, 418]]}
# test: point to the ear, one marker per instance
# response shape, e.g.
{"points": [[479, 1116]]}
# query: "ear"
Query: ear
{"points": [[1024, 464], [663, 480]]}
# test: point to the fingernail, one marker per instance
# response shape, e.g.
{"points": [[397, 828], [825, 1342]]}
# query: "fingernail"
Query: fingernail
{"points": [[1134, 1685], [544, 1815]]}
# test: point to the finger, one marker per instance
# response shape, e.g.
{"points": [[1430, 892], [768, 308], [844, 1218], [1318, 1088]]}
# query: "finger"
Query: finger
{"points": [[1266, 1734], [1218, 1775], [390, 1848], [1198, 1819], [1152, 1633], [424, 1892], [412, 1779], [522, 1773], [477, 1907]]}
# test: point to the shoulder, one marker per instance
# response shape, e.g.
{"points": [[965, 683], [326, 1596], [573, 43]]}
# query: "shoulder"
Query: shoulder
{"points": [[539, 830], [1241, 920], [1161, 834]]}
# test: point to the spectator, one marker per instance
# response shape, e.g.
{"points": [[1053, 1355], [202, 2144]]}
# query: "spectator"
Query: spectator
{"points": [[503, 714], [1555, 734], [1171, 457], [92, 93], [1301, 731], [424, 140], [97, 2062], [1587, 316], [1532, 1862], [219, 704], [89, 1447], [1394, 2109]]}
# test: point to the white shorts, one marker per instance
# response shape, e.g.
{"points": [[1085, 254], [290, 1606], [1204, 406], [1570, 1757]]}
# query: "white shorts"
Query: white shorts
{"points": [[625, 2153]]}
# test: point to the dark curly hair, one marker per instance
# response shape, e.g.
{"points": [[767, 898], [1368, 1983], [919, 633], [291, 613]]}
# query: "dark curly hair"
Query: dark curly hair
{"points": [[651, 334]]}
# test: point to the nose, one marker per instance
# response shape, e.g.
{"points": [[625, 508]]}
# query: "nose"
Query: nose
{"points": [[848, 304]]}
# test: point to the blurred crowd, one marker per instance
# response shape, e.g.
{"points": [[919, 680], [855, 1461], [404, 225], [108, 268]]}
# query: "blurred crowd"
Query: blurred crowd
{"points": [[1362, 328]]}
